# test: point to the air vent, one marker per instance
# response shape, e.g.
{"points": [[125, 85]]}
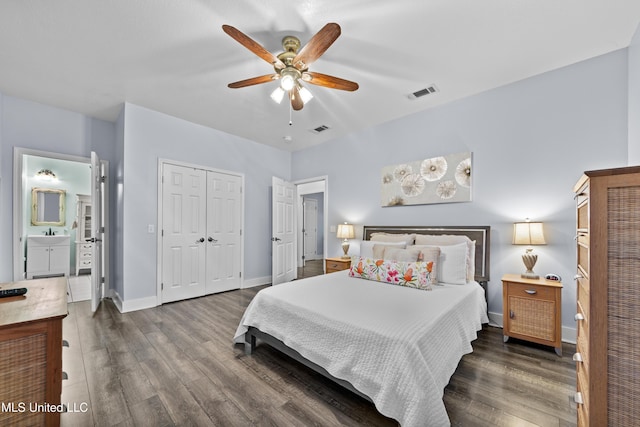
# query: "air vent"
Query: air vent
{"points": [[423, 92], [320, 128]]}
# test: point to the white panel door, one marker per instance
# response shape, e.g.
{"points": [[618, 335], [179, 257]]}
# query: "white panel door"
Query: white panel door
{"points": [[283, 253], [310, 207], [184, 210], [98, 180], [224, 229]]}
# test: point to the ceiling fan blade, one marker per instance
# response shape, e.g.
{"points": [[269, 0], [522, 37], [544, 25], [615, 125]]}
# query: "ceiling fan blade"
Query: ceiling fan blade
{"points": [[254, 81], [325, 80], [252, 45], [318, 44], [296, 100]]}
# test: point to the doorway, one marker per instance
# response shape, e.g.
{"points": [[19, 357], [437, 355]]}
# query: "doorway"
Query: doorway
{"points": [[312, 234], [69, 176]]}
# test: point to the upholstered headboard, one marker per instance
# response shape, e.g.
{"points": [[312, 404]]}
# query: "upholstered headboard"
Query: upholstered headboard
{"points": [[481, 235]]}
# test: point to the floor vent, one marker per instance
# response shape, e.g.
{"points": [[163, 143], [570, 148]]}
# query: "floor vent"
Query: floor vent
{"points": [[320, 128], [423, 92]]}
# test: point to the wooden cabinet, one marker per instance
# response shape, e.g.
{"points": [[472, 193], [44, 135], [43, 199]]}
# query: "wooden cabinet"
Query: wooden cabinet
{"points": [[83, 234], [532, 310], [336, 264], [608, 301], [31, 352], [48, 256]]}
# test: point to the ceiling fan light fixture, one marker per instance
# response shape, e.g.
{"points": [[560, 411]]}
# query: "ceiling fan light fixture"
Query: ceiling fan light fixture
{"points": [[277, 95], [287, 82], [289, 78], [305, 94]]}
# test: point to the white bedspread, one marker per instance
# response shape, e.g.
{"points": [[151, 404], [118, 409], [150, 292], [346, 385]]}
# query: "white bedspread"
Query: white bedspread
{"points": [[397, 345]]}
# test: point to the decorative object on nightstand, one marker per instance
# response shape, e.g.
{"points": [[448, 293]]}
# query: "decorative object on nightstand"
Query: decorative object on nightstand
{"points": [[346, 232], [332, 265], [532, 310], [528, 233]]}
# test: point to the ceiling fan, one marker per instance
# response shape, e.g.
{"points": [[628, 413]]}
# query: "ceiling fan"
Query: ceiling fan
{"points": [[292, 66]]}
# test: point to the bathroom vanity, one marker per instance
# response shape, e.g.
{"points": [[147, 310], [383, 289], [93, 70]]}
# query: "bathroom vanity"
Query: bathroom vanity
{"points": [[48, 256]]}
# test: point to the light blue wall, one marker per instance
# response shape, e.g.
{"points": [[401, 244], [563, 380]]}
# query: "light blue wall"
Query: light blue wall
{"points": [[530, 140], [27, 124], [148, 136], [634, 99]]}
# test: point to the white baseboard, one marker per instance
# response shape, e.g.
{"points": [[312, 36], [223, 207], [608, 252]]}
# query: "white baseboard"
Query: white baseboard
{"points": [[133, 305], [258, 281], [568, 334]]}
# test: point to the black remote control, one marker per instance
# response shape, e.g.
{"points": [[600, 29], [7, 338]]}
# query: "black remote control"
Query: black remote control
{"points": [[12, 292]]}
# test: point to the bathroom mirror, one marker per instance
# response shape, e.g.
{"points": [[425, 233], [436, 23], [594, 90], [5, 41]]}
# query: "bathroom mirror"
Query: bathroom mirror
{"points": [[47, 206]]}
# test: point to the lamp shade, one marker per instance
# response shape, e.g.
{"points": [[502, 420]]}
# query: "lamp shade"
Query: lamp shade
{"points": [[346, 231], [528, 233]]}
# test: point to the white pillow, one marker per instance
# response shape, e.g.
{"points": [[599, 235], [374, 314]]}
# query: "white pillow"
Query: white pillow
{"points": [[448, 240], [408, 239], [452, 265], [410, 254], [366, 247]]}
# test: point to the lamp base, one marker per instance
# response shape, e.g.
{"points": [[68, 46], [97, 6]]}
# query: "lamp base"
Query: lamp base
{"points": [[529, 259], [345, 249]]}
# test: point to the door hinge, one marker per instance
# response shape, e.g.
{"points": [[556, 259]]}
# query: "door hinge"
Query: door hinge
{"points": [[103, 178], [240, 274], [102, 279], [102, 229], [162, 286], [303, 257], [241, 232]]}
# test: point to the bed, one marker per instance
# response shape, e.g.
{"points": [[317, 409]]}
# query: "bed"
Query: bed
{"points": [[393, 345]]}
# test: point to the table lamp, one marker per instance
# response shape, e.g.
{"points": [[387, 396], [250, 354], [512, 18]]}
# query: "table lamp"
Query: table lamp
{"points": [[528, 233]]}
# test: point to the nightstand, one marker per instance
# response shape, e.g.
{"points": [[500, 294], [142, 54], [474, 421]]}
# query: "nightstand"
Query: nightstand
{"points": [[532, 310], [336, 264]]}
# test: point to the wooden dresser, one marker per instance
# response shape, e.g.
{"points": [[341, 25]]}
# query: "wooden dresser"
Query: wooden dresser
{"points": [[31, 352], [608, 297]]}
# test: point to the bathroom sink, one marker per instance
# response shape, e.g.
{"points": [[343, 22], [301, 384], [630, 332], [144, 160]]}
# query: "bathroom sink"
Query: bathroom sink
{"points": [[49, 240]]}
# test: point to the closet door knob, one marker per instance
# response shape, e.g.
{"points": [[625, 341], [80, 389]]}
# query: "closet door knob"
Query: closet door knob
{"points": [[200, 240], [211, 239]]}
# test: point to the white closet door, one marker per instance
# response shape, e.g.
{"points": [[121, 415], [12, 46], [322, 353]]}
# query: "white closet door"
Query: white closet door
{"points": [[184, 228], [224, 222]]}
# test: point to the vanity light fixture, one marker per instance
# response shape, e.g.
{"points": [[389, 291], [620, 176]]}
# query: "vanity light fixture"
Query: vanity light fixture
{"points": [[46, 175]]}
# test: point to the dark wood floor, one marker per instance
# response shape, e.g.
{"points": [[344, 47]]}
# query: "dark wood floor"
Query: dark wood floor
{"points": [[176, 365], [311, 268]]}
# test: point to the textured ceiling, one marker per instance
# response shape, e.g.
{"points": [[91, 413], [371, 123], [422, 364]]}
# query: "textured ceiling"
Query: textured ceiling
{"points": [[91, 56]]}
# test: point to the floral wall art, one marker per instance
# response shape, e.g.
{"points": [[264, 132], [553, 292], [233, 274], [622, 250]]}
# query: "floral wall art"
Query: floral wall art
{"points": [[444, 179]]}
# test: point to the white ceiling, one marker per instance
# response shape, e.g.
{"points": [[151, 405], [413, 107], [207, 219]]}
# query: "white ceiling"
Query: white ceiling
{"points": [[172, 56]]}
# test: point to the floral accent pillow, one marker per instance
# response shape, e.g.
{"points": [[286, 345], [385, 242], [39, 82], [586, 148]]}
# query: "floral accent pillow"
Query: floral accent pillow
{"points": [[411, 274]]}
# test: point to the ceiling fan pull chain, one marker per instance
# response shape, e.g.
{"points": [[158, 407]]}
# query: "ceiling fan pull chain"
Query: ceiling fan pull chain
{"points": [[290, 110]]}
